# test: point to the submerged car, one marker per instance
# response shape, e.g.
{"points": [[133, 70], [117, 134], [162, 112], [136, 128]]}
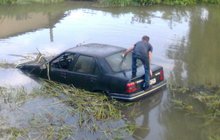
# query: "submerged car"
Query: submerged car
{"points": [[98, 68]]}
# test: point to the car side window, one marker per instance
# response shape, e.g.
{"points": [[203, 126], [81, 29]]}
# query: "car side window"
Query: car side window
{"points": [[85, 64], [64, 61]]}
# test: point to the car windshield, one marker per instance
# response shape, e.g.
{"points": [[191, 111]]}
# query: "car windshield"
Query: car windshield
{"points": [[118, 63]]}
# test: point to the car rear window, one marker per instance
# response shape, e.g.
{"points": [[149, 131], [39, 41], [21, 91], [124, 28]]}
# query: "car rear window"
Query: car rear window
{"points": [[118, 63]]}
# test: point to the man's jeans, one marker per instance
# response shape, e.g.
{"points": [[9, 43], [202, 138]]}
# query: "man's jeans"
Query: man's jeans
{"points": [[145, 62]]}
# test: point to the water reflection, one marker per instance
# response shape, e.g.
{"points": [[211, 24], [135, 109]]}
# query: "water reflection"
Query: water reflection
{"points": [[14, 78], [185, 41], [141, 112], [29, 22], [86, 25], [196, 57]]}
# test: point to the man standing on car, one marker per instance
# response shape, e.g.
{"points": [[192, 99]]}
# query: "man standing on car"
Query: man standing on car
{"points": [[142, 50]]}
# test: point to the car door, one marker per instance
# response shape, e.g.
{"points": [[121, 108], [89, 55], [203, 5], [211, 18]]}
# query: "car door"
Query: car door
{"points": [[85, 73], [60, 66]]}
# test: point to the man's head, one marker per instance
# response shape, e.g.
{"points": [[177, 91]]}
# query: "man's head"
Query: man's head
{"points": [[146, 38]]}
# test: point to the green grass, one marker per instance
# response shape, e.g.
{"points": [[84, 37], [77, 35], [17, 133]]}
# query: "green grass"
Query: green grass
{"points": [[29, 1], [152, 2], [119, 2]]}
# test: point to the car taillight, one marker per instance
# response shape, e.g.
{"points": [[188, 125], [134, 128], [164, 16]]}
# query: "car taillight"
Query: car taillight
{"points": [[131, 87], [161, 75]]}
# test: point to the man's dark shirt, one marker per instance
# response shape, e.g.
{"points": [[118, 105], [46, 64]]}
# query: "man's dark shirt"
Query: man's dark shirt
{"points": [[141, 50]]}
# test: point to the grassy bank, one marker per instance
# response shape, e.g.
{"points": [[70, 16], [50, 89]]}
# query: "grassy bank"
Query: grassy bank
{"points": [[152, 2], [119, 2], [28, 1]]}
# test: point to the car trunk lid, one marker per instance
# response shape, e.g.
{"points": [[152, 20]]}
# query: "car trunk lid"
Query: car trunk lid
{"points": [[135, 84]]}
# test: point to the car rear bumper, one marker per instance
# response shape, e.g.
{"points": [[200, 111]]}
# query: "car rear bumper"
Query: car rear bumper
{"points": [[138, 95]]}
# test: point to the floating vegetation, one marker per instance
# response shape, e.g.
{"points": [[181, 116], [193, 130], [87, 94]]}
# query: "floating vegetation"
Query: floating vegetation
{"points": [[201, 102], [6, 65], [181, 105], [208, 100], [58, 111], [11, 133], [214, 137], [38, 58], [90, 103]]}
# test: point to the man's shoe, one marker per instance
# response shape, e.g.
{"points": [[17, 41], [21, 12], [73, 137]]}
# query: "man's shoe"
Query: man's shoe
{"points": [[146, 87], [133, 76]]}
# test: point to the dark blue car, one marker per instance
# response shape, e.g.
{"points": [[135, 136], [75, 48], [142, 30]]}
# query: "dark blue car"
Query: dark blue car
{"points": [[99, 68]]}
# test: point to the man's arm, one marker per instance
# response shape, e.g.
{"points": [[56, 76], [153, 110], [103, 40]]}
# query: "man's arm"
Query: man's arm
{"points": [[128, 50], [150, 58]]}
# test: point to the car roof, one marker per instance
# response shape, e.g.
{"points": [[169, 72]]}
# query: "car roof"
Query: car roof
{"points": [[96, 50]]}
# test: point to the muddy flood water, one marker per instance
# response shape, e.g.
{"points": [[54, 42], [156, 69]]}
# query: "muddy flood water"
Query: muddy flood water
{"points": [[186, 43]]}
